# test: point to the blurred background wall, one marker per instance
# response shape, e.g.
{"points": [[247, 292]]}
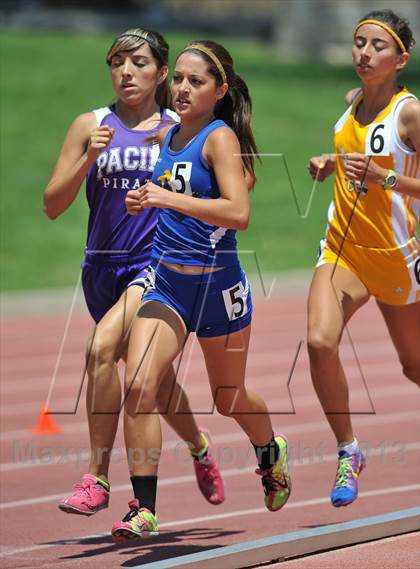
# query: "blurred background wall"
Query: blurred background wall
{"points": [[296, 28]]}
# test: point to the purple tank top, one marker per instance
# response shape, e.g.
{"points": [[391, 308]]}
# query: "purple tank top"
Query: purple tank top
{"points": [[124, 165]]}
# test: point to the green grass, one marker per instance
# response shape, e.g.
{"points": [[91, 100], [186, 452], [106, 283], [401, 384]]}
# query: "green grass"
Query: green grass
{"points": [[48, 79]]}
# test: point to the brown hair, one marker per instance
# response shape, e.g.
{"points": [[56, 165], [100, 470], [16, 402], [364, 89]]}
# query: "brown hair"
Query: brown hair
{"points": [[398, 24], [236, 106]]}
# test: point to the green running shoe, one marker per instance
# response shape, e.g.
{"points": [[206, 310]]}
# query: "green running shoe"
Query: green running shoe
{"points": [[139, 522], [276, 480]]}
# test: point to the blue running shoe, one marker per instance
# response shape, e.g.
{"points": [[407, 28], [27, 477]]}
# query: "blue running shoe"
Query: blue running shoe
{"points": [[350, 466]]}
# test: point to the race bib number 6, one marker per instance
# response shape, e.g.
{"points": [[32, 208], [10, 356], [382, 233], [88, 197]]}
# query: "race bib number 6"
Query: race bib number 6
{"points": [[377, 140], [235, 300]]}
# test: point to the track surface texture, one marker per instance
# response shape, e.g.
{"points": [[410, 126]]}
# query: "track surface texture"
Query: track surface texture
{"points": [[38, 470]]}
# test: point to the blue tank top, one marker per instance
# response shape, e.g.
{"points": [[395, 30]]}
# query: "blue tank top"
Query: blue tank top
{"points": [[124, 165], [181, 238]]}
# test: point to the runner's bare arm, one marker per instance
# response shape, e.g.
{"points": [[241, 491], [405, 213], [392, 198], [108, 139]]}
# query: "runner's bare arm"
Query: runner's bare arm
{"points": [[82, 145], [231, 210]]}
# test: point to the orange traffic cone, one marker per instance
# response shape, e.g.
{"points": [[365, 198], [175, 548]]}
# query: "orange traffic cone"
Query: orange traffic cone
{"points": [[46, 424]]}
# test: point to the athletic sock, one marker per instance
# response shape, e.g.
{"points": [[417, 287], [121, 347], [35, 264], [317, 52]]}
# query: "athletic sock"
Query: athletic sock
{"points": [[102, 483], [144, 488], [267, 455], [349, 447], [203, 452]]}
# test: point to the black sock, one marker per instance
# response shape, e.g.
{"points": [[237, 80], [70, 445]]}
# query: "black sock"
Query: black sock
{"points": [[144, 488], [199, 457], [268, 454]]}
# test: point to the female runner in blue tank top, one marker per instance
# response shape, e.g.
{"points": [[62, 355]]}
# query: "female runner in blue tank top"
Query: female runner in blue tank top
{"points": [[111, 147], [195, 283]]}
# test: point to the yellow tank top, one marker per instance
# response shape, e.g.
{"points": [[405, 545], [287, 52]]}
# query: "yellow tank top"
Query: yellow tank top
{"points": [[368, 215]]}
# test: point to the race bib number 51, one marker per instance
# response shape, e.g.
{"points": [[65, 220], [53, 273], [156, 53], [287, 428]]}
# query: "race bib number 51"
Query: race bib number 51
{"points": [[235, 300], [180, 178]]}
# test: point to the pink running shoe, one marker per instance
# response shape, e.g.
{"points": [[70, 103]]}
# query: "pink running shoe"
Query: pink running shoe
{"points": [[208, 475], [89, 498]]}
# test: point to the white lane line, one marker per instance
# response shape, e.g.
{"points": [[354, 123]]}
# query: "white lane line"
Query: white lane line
{"points": [[279, 352], [27, 457], [301, 504], [67, 381], [389, 449], [194, 387], [299, 401], [214, 517]]}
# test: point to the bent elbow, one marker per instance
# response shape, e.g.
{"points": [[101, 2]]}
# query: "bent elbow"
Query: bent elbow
{"points": [[243, 226], [50, 213], [242, 222]]}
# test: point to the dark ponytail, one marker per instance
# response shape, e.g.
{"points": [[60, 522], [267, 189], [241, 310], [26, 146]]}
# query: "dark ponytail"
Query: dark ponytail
{"points": [[236, 106]]}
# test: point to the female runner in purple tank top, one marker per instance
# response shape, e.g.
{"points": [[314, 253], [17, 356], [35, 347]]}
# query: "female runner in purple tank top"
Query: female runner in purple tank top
{"points": [[196, 284], [112, 148]]}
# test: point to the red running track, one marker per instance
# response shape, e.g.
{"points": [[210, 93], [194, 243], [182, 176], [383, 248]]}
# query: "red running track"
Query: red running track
{"points": [[38, 470]]}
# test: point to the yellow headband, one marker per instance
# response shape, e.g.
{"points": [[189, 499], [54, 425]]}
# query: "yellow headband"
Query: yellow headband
{"points": [[386, 28], [212, 56]]}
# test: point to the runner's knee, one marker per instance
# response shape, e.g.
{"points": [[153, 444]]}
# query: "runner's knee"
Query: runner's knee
{"points": [[141, 394], [99, 352], [321, 344]]}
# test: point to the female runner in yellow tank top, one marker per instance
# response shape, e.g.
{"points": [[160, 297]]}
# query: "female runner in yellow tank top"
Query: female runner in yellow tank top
{"points": [[370, 246]]}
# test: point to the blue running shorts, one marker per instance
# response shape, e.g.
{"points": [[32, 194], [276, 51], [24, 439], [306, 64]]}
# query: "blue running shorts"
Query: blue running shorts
{"points": [[211, 304]]}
